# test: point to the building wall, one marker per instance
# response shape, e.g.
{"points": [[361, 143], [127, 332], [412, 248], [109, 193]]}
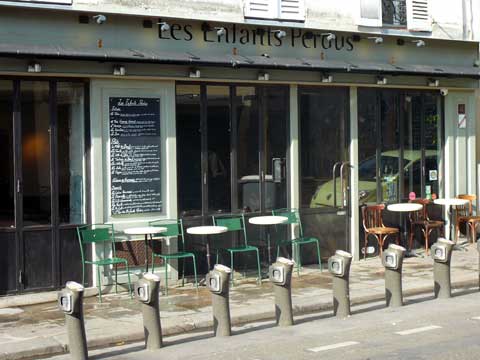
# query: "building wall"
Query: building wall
{"points": [[452, 20]]}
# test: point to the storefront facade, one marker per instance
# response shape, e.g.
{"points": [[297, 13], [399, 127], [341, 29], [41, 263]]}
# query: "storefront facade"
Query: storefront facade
{"points": [[124, 123]]}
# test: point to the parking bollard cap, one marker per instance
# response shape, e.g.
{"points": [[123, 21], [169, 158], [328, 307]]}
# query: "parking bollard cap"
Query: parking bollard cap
{"points": [[397, 247], [151, 277], [222, 268], [343, 253], [72, 285], [285, 261]]}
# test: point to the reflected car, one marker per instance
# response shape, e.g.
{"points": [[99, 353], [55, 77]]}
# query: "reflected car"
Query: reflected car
{"points": [[367, 177]]}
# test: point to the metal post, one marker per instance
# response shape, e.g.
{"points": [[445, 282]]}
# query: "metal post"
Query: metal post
{"points": [[442, 253], [280, 274], [70, 301], [218, 281], [339, 267], [392, 259], [147, 292]]}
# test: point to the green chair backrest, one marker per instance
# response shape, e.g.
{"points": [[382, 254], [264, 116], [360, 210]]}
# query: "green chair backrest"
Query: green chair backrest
{"points": [[232, 223], [96, 234], [174, 228], [293, 216]]}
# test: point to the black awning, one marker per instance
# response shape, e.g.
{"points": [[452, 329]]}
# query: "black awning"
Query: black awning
{"points": [[263, 61]]}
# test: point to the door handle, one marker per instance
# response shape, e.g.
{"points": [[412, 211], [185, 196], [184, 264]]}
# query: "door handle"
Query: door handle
{"points": [[334, 177], [344, 185]]}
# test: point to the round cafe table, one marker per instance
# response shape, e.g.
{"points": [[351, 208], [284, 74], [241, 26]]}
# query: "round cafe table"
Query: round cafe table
{"points": [[404, 208], [146, 231], [205, 231], [451, 204], [268, 220]]}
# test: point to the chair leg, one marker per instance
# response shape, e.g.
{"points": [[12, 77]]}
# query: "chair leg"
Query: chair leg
{"points": [[195, 271], [153, 263], [365, 244], [99, 284], [318, 254], [183, 271], [380, 244], [166, 277], [259, 281], [296, 248], [83, 273], [410, 237], [116, 279], [231, 267], [130, 290]]}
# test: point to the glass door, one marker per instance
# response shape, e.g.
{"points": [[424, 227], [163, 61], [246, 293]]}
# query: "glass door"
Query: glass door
{"points": [[325, 180]]}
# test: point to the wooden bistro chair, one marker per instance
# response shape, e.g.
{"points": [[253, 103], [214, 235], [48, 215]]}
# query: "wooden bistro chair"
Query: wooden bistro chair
{"points": [[465, 215], [373, 225], [420, 218]]}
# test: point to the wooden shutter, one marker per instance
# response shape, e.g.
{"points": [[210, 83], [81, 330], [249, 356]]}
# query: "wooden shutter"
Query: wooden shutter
{"points": [[419, 16], [370, 13], [292, 9], [263, 9]]}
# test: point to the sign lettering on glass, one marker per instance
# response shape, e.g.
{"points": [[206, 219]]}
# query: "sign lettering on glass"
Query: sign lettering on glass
{"points": [[135, 167]]}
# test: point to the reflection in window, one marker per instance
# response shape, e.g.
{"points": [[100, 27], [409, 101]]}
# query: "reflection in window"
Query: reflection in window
{"points": [[394, 12], [70, 125], [7, 194]]}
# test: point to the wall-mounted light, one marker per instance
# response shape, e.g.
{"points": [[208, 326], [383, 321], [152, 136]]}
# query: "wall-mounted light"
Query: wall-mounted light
{"points": [[163, 26], [220, 31], [194, 73], [34, 68], [433, 82], [376, 39], [263, 76], [99, 19], [327, 78], [329, 36], [119, 70], [279, 33], [382, 80], [420, 43]]}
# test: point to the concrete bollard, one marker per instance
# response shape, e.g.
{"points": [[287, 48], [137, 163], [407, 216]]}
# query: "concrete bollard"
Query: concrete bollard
{"points": [[339, 267], [70, 301], [392, 259], [280, 274], [146, 290], [218, 281], [442, 253]]}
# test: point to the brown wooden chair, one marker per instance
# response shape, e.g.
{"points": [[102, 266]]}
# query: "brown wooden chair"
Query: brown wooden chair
{"points": [[373, 225], [465, 215], [420, 218]]}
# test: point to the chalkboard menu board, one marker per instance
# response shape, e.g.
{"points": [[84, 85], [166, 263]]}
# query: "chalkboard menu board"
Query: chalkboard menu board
{"points": [[135, 166]]}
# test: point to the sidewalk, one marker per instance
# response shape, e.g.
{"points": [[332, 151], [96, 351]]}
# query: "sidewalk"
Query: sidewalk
{"points": [[36, 331]]}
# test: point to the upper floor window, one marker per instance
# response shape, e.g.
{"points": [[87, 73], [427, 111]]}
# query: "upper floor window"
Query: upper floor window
{"points": [[412, 14], [275, 9]]}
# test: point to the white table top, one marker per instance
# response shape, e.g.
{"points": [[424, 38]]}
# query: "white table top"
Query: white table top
{"points": [[145, 230], [207, 230], [404, 207], [450, 202], [268, 220]]}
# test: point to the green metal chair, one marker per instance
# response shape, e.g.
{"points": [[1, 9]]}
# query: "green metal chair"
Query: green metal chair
{"points": [[293, 216], [101, 234], [174, 228], [237, 223]]}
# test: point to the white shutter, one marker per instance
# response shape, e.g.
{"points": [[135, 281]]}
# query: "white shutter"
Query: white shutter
{"points": [[370, 13], [292, 9], [263, 9], [419, 16]]}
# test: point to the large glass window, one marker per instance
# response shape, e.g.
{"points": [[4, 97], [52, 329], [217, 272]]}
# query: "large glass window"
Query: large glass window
{"points": [[7, 180], [399, 144], [70, 125]]}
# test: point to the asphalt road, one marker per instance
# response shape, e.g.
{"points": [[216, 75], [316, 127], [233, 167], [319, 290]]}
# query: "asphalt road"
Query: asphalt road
{"points": [[423, 329]]}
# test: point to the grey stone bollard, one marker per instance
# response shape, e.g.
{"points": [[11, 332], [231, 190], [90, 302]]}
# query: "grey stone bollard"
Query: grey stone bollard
{"points": [[441, 253], [146, 290], [339, 267], [280, 274], [70, 301], [218, 281], [392, 259]]}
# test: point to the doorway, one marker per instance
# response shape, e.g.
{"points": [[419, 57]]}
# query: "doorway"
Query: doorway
{"points": [[42, 125]]}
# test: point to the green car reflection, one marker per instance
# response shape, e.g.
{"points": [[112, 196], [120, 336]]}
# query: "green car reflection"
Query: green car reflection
{"points": [[367, 175]]}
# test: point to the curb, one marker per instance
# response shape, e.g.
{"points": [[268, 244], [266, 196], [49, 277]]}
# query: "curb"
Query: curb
{"points": [[52, 347]]}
